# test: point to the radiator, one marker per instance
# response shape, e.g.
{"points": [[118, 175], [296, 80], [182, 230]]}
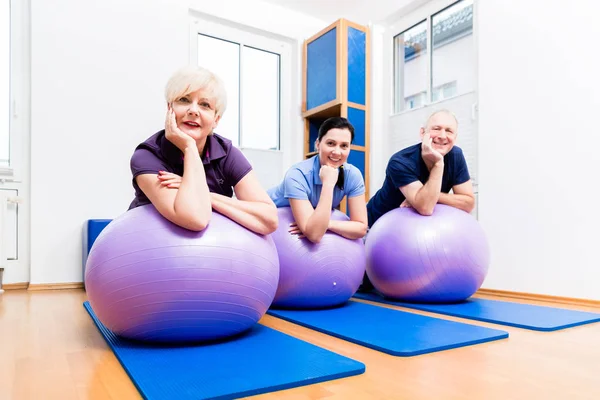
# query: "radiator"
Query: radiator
{"points": [[5, 200]]}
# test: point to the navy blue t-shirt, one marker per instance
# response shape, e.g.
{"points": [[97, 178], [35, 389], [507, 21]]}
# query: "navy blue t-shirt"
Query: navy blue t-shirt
{"points": [[407, 166]]}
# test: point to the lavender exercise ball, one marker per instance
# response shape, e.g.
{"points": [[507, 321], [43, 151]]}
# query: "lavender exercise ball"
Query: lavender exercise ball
{"points": [[440, 258], [151, 280], [316, 275]]}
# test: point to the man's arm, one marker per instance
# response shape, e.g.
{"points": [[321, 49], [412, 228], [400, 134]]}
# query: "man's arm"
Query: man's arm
{"points": [[423, 198], [462, 197]]}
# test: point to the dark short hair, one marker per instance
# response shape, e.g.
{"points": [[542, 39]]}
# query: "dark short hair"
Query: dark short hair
{"points": [[335, 123]]}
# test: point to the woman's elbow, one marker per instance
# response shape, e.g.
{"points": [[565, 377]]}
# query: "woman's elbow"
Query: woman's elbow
{"points": [[270, 225], [314, 238], [191, 221], [197, 221], [363, 230], [197, 224], [271, 221]]}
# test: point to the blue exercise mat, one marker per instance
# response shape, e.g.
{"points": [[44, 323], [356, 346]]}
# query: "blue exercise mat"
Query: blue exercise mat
{"points": [[391, 331], [261, 361], [538, 318]]}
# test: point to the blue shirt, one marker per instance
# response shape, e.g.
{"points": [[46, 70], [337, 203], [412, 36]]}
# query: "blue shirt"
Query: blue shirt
{"points": [[302, 181], [407, 166]]}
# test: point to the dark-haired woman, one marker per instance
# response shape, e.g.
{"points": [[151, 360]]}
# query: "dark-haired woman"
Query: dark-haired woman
{"points": [[313, 187]]}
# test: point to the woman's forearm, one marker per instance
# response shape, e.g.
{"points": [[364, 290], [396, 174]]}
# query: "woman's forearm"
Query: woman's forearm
{"points": [[348, 229], [259, 217], [318, 222], [193, 196]]}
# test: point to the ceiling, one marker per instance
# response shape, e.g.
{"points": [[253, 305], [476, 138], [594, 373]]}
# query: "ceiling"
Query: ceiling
{"points": [[359, 11]]}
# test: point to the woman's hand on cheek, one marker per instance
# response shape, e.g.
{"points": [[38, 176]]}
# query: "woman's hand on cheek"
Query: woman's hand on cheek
{"points": [[174, 134]]}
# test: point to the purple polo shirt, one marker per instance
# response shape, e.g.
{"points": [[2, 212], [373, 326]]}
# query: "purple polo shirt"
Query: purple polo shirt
{"points": [[224, 164]]}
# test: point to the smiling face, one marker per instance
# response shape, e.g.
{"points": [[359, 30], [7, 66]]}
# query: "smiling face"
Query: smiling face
{"points": [[442, 128], [195, 114], [334, 147]]}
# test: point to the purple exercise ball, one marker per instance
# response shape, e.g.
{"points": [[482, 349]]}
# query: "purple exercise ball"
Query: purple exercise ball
{"points": [[441, 258], [316, 275], [149, 279]]}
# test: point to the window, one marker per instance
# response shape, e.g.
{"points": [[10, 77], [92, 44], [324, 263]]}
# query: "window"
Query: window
{"points": [[5, 84], [445, 91], [453, 54], [416, 100], [427, 73], [410, 66], [260, 99], [250, 66], [227, 66]]}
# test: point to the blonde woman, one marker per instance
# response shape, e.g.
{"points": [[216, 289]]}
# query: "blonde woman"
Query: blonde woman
{"points": [[186, 170]]}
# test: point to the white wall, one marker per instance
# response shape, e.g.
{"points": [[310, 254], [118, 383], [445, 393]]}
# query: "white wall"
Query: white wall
{"points": [[380, 101], [538, 160], [98, 73]]}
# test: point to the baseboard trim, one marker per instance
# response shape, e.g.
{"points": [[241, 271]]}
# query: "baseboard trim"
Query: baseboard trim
{"points": [[15, 286], [483, 291], [55, 286], [540, 297]]}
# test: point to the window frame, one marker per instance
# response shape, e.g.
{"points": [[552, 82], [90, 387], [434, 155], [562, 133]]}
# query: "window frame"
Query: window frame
{"points": [[255, 39], [19, 98], [410, 20]]}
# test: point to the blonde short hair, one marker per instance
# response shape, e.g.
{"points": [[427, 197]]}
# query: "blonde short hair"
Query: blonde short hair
{"points": [[190, 79]]}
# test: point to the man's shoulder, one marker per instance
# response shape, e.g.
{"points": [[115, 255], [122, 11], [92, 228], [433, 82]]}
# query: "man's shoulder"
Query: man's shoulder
{"points": [[408, 155], [456, 150], [456, 155]]}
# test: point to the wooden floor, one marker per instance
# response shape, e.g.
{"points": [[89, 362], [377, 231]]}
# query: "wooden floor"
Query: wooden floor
{"points": [[50, 349]]}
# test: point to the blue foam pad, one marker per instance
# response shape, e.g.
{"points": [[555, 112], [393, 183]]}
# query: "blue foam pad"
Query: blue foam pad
{"points": [[538, 318], [390, 331], [91, 229], [263, 360]]}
